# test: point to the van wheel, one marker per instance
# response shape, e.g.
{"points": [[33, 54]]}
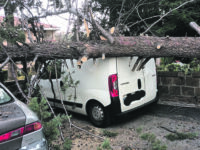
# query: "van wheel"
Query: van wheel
{"points": [[99, 115]]}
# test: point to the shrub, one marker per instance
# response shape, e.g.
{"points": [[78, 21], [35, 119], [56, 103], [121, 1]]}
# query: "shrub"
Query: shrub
{"points": [[49, 122], [139, 130], [148, 136], [158, 146], [193, 66], [155, 144], [109, 133], [181, 136], [105, 145], [67, 144]]}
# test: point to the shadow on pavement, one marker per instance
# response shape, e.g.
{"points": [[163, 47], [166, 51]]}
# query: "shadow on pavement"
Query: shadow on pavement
{"points": [[159, 110]]}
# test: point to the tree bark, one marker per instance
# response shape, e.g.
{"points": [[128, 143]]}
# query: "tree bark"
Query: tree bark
{"points": [[9, 15], [143, 46]]}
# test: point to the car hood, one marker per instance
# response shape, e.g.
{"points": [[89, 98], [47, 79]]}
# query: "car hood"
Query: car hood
{"points": [[11, 117]]}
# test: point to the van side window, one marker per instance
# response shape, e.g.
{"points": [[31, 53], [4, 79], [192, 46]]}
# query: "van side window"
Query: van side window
{"points": [[48, 70]]}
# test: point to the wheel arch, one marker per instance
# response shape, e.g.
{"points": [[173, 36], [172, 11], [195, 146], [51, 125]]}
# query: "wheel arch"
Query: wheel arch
{"points": [[91, 101]]}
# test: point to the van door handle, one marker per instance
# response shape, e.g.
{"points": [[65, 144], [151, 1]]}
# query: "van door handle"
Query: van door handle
{"points": [[61, 83]]}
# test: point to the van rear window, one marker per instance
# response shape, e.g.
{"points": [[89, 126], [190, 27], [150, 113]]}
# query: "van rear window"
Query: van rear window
{"points": [[4, 97]]}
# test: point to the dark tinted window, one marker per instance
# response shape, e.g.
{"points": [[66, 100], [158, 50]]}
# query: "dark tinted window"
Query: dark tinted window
{"points": [[4, 97]]}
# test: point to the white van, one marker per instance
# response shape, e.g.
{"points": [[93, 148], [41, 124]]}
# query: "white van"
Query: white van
{"points": [[106, 87]]}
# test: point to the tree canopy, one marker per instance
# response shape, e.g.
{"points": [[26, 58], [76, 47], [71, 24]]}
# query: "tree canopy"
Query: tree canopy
{"points": [[136, 16]]}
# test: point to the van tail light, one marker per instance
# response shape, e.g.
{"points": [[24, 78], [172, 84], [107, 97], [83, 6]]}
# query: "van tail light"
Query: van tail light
{"points": [[113, 85], [21, 131]]}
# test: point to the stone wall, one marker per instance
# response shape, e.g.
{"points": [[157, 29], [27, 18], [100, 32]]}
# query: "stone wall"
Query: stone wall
{"points": [[176, 86]]}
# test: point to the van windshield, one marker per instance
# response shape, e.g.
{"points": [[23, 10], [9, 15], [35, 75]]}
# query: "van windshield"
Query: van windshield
{"points": [[4, 97]]}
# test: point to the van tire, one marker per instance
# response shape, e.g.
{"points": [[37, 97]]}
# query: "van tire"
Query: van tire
{"points": [[99, 115]]}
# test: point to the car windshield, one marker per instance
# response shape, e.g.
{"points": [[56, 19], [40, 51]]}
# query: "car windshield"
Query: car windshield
{"points": [[4, 97]]}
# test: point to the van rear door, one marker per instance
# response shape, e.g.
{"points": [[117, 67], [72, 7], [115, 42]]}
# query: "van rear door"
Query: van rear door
{"points": [[131, 84]]}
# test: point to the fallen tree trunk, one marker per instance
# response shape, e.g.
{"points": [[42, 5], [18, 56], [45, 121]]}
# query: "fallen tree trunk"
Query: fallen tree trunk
{"points": [[144, 46]]}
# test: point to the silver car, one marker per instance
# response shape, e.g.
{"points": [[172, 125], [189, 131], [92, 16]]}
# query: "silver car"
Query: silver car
{"points": [[20, 128]]}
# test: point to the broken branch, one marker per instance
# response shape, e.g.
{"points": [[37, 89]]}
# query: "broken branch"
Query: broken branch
{"points": [[17, 83], [4, 63], [195, 26], [102, 30]]}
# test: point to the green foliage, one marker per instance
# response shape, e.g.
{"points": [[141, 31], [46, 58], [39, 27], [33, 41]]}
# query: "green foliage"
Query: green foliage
{"points": [[40, 108], [109, 133], [11, 34], [50, 123], [155, 143], [98, 148], [50, 69], [166, 60], [67, 145], [51, 129], [139, 130], [181, 136], [105, 145], [69, 82], [148, 136], [173, 67], [174, 24], [193, 66]]}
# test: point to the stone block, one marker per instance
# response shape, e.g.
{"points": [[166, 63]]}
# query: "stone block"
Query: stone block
{"points": [[159, 81], [196, 75], [163, 90], [181, 74], [179, 81], [175, 90], [167, 74], [192, 82], [197, 91], [167, 80], [188, 91]]}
